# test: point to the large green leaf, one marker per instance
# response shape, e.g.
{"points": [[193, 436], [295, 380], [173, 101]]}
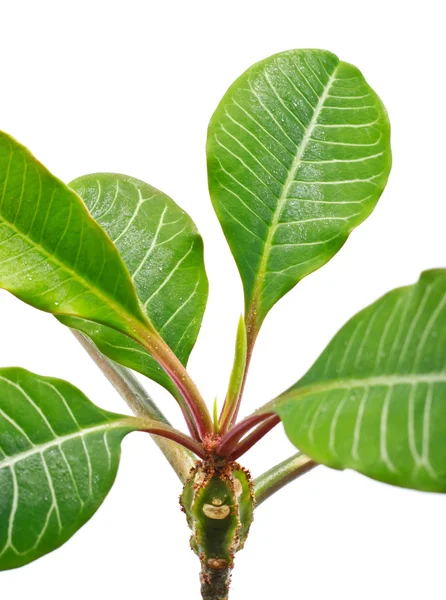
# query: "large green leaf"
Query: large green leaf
{"points": [[52, 253], [298, 155], [59, 455], [163, 252], [375, 400], [55, 256]]}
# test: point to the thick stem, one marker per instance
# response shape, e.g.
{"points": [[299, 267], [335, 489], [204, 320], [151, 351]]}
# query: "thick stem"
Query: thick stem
{"points": [[215, 583], [139, 401], [280, 475]]}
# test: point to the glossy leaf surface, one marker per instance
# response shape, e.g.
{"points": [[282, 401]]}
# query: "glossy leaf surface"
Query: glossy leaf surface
{"points": [[54, 256], [375, 399], [298, 155], [163, 252], [52, 253], [59, 455]]}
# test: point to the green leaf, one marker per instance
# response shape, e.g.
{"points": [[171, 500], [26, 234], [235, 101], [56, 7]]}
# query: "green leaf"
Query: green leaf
{"points": [[59, 455], [54, 256], [298, 155], [237, 374], [375, 399], [52, 253], [163, 252]]}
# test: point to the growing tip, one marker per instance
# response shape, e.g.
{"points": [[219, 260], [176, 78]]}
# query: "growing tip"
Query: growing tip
{"points": [[237, 375], [215, 417]]}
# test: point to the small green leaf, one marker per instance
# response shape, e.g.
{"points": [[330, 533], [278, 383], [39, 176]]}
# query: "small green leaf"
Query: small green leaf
{"points": [[59, 455], [237, 375], [298, 155], [163, 252], [52, 253], [375, 399]]}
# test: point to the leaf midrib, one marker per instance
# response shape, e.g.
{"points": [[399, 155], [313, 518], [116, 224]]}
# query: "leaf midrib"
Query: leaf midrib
{"points": [[10, 461], [373, 381], [284, 194]]}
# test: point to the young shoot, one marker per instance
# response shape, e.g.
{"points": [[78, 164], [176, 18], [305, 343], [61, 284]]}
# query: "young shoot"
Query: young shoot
{"points": [[298, 155]]}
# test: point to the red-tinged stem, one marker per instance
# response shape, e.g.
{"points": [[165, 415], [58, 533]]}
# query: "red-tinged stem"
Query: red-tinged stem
{"points": [[170, 433], [137, 398], [176, 371], [234, 435], [248, 442], [190, 421]]}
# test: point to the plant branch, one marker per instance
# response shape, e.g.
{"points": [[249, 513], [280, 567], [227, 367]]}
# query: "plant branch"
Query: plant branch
{"points": [[161, 352], [280, 475], [230, 440], [139, 401], [259, 432], [167, 432]]}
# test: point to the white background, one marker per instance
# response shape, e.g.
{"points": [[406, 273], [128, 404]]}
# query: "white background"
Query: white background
{"points": [[130, 87]]}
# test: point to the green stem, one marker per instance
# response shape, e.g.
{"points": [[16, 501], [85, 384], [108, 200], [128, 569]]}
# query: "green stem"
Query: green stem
{"points": [[137, 398], [280, 475]]}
